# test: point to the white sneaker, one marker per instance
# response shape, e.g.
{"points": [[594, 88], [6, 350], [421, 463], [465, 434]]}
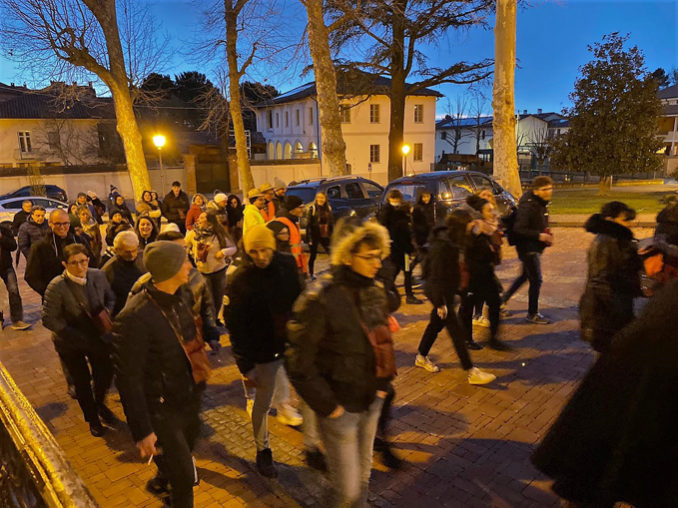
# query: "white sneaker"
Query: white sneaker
{"points": [[478, 377], [425, 363], [287, 415], [481, 321], [250, 405]]}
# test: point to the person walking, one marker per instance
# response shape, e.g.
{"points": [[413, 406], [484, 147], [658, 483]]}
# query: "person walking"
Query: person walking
{"points": [[77, 305], [198, 206], [175, 206], [32, 231], [532, 235], [123, 270], [147, 231], [482, 254], [252, 214], [22, 215], [8, 276], [154, 375], [333, 361], [319, 227], [613, 278], [423, 219], [442, 280], [396, 217], [294, 210], [211, 249], [262, 292]]}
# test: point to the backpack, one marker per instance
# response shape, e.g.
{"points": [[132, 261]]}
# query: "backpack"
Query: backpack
{"points": [[509, 221]]}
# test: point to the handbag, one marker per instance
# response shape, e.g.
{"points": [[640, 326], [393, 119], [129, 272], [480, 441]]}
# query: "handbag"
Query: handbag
{"points": [[101, 319]]}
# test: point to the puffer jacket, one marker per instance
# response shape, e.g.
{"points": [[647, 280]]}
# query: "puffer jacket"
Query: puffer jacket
{"points": [[532, 219], [152, 369], [330, 360], [30, 233], [441, 268], [613, 281], [398, 222], [7, 245], [175, 207]]}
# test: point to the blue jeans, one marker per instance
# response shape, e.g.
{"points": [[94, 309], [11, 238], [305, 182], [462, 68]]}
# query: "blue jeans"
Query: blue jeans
{"points": [[531, 272], [16, 309], [349, 441]]}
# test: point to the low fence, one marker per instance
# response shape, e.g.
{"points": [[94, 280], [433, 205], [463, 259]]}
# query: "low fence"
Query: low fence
{"points": [[34, 472]]}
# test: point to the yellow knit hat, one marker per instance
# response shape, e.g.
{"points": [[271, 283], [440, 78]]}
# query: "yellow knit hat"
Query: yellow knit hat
{"points": [[258, 237]]}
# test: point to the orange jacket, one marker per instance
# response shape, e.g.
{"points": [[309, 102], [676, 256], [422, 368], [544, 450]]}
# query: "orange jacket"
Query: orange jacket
{"points": [[268, 212], [296, 247]]}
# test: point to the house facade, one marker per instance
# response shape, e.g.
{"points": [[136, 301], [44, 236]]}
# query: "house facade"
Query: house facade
{"points": [[289, 123], [668, 127]]}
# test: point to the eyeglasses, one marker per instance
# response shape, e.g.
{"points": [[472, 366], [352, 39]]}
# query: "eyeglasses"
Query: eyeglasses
{"points": [[371, 258], [81, 262], [61, 224]]}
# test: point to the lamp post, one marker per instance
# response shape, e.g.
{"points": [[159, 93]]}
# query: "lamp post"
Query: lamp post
{"points": [[405, 149], [159, 141]]}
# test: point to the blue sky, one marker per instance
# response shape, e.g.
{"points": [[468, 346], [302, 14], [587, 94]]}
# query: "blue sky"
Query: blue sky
{"points": [[551, 44]]}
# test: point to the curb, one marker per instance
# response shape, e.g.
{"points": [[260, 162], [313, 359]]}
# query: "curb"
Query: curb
{"points": [[575, 224]]}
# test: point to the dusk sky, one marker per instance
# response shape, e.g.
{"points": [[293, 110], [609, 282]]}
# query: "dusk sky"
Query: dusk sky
{"points": [[552, 39]]}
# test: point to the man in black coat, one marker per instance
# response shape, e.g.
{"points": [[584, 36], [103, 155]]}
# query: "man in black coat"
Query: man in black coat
{"points": [[21, 216], [8, 275], [175, 206], [262, 293], [123, 270], [44, 260], [532, 236], [154, 376], [32, 231]]}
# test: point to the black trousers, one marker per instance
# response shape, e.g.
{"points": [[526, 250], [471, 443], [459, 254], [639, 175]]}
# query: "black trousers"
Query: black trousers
{"points": [[325, 242], [385, 416], [486, 292], [399, 264], [458, 334], [78, 364], [531, 272], [177, 432]]}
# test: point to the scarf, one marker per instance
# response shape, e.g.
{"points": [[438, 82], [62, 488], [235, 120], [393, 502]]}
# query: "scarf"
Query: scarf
{"points": [[81, 281]]}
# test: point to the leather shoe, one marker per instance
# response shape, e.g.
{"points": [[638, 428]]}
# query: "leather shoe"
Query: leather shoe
{"points": [[96, 429], [471, 344]]}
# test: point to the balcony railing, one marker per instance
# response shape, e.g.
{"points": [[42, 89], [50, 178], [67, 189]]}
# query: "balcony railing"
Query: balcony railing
{"points": [[34, 472]]}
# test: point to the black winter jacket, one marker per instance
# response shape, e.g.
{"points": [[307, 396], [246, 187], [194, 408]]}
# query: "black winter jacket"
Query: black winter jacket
{"points": [[441, 267], [7, 245], [398, 222], [44, 260], [19, 218], [667, 225], [30, 233], [532, 219], [317, 215], [121, 276], [152, 369], [261, 304], [423, 221], [330, 360], [174, 208], [124, 211], [481, 257], [612, 283]]}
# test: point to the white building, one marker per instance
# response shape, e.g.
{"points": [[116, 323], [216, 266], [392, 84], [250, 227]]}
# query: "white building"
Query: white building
{"points": [[668, 126], [290, 126]]}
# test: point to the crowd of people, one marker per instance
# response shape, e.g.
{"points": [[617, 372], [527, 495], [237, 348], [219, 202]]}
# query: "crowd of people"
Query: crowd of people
{"points": [[140, 304]]}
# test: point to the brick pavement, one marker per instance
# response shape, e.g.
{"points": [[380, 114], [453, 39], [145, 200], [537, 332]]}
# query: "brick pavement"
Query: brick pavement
{"points": [[465, 446]]}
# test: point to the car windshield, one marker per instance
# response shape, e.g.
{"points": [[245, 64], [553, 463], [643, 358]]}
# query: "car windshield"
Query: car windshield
{"points": [[306, 194]]}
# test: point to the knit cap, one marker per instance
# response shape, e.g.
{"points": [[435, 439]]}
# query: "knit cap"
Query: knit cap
{"points": [[164, 259], [258, 237], [220, 197], [292, 202], [253, 193]]}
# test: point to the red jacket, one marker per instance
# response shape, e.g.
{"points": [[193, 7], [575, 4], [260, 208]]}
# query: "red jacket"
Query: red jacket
{"points": [[192, 216]]}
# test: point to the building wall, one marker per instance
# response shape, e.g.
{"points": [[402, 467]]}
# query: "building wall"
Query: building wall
{"points": [[78, 139], [466, 144]]}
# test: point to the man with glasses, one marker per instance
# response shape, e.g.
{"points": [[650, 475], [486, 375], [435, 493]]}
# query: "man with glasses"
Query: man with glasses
{"points": [[532, 236]]}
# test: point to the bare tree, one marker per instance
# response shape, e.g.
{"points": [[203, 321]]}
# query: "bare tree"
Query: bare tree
{"points": [[80, 34], [503, 98], [478, 111], [458, 122], [541, 146]]}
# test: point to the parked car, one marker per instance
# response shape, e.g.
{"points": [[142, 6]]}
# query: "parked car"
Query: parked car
{"points": [[10, 206], [346, 194], [449, 190], [51, 191]]}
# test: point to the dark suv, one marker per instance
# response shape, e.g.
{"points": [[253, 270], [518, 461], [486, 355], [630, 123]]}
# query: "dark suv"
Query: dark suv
{"points": [[449, 189], [346, 194], [50, 191]]}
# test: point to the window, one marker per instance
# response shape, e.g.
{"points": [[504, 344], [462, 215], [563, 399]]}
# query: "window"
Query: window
{"points": [[353, 191], [374, 114], [25, 141], [13, 205], [297, 118], [334, 192], [483, 135], [287, 118], [455, 187], [443, 135], [481, 182], [277, 120], [310, 116], [374, 153], [53, 140], [345, 112], [270, 119], [418, 113], [418, 152], [373, 191]]}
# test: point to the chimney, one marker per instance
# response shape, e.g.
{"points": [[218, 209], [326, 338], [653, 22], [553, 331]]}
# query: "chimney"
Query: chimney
{"points": [[539, 111], [89, 84], [524, 112], [12, 85]]}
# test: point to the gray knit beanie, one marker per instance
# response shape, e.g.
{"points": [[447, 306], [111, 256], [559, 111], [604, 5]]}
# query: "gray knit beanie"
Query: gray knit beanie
{"points": [[164, 259]]}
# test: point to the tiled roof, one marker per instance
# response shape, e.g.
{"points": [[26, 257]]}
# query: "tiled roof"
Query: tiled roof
{"points": [[450, 122], [41, 105], [670, 92]]}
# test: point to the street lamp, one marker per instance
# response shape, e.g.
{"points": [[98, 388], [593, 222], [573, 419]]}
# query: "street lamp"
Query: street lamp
{"points": [[405, 149], [159, 141]]}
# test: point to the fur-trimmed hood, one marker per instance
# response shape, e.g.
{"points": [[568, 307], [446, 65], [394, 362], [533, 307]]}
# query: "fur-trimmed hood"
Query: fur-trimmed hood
{"points": [[599, 225], [351, 231]]}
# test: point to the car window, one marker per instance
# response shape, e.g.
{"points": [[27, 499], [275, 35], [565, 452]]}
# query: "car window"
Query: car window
{"points": [[306, 194], [354, 191], [455, 187], [481, 182], [13, 205], [373, 191], [45, 203], [333, 192], [410, 191]]}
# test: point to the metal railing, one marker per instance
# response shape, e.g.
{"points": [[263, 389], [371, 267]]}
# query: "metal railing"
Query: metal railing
{"points": [[34, 471]]}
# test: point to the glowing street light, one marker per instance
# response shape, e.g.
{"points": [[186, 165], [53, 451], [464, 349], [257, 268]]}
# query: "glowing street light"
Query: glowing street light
{"points": [[159, 141], [405, 149]]}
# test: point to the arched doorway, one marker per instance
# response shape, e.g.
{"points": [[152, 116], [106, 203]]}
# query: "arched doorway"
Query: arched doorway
{"points": [[278, 151], [313, 150], [298, 149], [270, 151], [287, 153]]}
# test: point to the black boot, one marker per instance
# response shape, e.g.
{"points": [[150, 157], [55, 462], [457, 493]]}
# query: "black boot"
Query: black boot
{"points": [[413, 300], [108, 416], [157, 485], [499, 345], [265, 464], [96, 429], [471, 344], [388, 458], [315, 459]]}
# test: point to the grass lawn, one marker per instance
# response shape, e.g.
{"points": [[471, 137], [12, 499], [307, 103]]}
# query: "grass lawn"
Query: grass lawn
{"points": [[587, 201]]}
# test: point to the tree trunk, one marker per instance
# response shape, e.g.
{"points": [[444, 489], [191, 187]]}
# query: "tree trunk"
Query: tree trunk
{"points": [[398, 93], [332, 140], [503, 100], [118, 83], [235, 105]]}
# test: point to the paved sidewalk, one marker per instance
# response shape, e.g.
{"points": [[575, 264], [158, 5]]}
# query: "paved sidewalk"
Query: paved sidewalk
{"points": [[465, 446]]}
